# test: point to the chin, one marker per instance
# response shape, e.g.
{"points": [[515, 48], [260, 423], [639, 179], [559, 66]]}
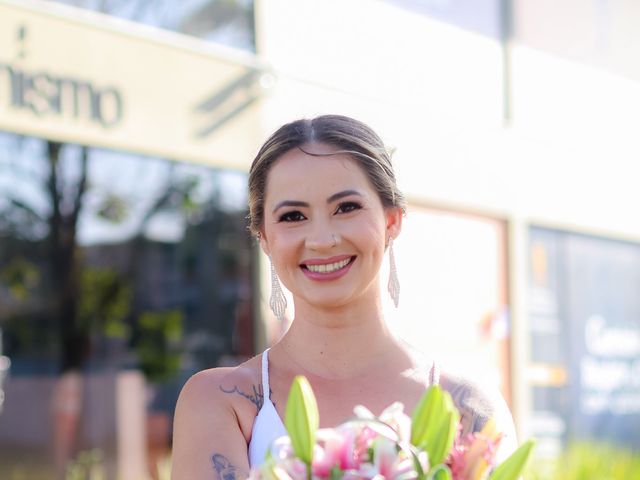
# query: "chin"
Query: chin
{"points": [[324, 302]]}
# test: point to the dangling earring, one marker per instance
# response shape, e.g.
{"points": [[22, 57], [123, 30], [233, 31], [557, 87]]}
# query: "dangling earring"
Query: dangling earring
{"points": [[394, 285], [277, 302]]}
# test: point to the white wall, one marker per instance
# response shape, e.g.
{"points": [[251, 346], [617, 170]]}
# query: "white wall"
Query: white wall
{"points": [[435, 93]]}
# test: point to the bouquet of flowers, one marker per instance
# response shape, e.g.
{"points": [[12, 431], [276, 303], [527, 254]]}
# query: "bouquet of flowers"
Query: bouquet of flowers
{"points": [[427, 446]]}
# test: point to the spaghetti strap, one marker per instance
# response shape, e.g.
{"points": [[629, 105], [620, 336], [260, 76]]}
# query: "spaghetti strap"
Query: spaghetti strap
{"points": [[267, 426], [434, 374], [265, 375]]}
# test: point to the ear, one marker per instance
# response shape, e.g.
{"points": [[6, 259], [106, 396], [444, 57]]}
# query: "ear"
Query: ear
{"points": [[264, 244], [394, 222]]}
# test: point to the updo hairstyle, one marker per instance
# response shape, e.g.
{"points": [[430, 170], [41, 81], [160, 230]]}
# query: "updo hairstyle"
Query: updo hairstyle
{"points": [[347, 135]]}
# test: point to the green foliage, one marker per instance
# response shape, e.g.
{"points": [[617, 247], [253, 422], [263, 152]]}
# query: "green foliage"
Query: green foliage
{"points": [[158, 343], [434, 423], [88, 465], [515, 464], [439, 472], [302, 419], [20, 277], [591, 460], [113, 209], [104, 302]]}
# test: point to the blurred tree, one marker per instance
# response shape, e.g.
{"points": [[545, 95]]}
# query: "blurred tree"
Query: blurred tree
{"points": [[20, 276], [66, 204], [81, 299], [158, 346], [104, 303]]}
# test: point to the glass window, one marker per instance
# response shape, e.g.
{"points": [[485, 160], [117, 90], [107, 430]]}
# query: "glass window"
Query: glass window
{"points": [[584, 322], [229, 22], [118, 273], [479, 16]]}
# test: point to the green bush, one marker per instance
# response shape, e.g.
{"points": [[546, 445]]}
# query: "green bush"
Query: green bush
{"points": [[88, 465], [590, 461]]}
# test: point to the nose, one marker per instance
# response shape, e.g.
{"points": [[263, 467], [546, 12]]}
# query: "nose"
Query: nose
{"points": [[321, 237]]}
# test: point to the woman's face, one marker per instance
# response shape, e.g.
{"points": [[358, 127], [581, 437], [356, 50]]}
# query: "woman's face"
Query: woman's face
{"points": [[325, 227]]}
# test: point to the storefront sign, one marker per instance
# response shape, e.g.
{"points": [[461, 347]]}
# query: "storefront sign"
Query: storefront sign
{"points": [[75, 76], [45, 94]]}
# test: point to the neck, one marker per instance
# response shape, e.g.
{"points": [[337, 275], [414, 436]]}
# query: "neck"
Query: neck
{"points": [[340, 343]]}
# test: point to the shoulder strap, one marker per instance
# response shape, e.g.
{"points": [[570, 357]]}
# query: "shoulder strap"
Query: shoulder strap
{"points": [[265, 374], [434, 374]]}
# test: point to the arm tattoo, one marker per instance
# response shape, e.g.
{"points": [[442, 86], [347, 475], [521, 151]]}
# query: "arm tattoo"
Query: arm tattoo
{"points": [[224, 468], [257, 398], [474, 408]]}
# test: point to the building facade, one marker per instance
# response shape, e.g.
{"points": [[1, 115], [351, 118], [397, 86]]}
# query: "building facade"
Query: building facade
{"points": [[126, 266]]}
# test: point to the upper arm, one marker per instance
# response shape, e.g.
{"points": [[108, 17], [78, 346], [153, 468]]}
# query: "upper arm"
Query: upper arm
{"points": [[208, 442], [477, 404], [474, 406]]}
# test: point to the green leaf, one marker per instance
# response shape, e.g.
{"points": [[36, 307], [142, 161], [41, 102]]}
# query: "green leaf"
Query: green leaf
{"points": [[513, 466], [410, 451], [434, 424], [302, 419], [439, 472], [336, 474], [425, 410], [446, 432]]}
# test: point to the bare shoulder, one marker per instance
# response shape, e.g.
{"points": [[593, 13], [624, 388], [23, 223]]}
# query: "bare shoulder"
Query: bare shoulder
{"points": [[212, 424], [213, 381], [204, 384], [227, 391], [476, 402]]}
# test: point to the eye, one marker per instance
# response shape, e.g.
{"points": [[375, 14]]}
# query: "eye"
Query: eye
{"points": [[293, 216], [347, 207]]}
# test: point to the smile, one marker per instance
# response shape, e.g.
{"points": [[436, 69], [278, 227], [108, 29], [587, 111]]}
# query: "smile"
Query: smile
{"points": [[329, 267]]}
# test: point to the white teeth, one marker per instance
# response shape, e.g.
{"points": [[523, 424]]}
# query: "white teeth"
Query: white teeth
{"points": [[330, 267]]}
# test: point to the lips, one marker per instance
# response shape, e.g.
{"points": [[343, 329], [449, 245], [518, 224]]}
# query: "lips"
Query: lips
{"points": [[328, 268]]}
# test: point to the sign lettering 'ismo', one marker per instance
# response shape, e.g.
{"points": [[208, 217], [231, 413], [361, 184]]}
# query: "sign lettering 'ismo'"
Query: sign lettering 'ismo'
{"points": [[43, 93]]}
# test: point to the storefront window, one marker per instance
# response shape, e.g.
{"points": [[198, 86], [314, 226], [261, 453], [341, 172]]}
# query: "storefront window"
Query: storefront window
{"points": [[118, 273], [584, 323]]}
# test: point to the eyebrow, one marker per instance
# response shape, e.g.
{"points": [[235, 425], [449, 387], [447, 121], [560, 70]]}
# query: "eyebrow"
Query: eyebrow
{"points": [[331, 199], [344, 193]]}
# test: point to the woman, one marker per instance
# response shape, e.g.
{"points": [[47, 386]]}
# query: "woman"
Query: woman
{"points": [[325, 206]]}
